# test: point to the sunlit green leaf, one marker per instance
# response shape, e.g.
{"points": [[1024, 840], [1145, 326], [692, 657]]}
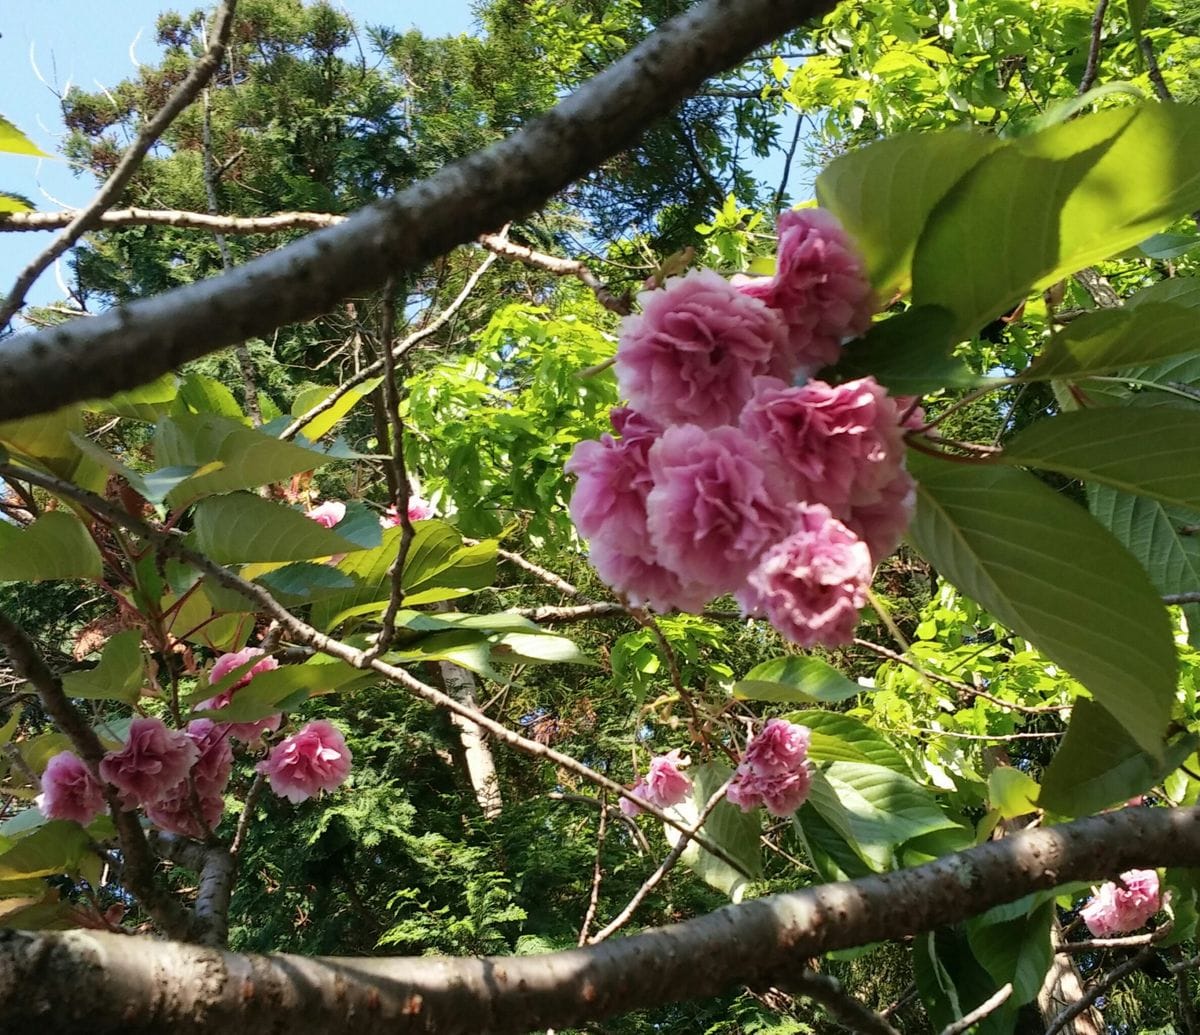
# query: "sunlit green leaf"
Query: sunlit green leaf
{"points": [[119, 674], [795, 680], [55, 546]]}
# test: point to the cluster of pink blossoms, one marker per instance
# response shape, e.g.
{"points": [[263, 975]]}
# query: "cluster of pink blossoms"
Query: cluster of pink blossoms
{"points": [[152, 769], [731, 471], [774, 770], [1115, 909]]}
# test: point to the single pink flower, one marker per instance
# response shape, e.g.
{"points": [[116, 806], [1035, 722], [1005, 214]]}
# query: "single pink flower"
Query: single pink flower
{"points": [[328, 514], [612, 483], [820, 287], [69, 791], [1117, 910], [715, 506], [313, 760], [247, 732], [774, 770], [663, 785], [840, 445], [153, 760], [174, 813], [692, 353], [418, 510], [811, 585]]}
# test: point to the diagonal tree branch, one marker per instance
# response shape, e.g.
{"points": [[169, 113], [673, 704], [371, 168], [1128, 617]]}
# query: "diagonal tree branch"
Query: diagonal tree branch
{"points": [[180, 98], [137, 986], [135, 343]]}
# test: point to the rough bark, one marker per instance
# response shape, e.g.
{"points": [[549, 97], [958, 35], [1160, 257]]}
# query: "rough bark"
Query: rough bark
{"points": [[60, 982]]}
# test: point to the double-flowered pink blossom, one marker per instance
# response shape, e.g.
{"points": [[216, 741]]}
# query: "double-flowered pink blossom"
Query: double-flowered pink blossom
{"points": [[313, 760], [215, 761], [663, 785], [69, 791], [811, 584], [715, 506], [693, 352], [211, 771], [328, 514], [175, 814], [820, 287], [153, 760], [418, 510], [248, 732], [1116, 910], [774, 770]]}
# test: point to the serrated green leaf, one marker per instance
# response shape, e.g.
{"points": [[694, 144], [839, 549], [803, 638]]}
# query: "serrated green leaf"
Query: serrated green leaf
{"points": [[735, 831], [910, 354], [53, 848], [302, 582], [207, 395], [55, 546], [1052, 574], [1052, 202], [537, 648], [1011, 792], [118, 676], [46, 439], [1149, 452], [242, 528], [1098, 765], [795, 680], [883, 194], [875, 809], [13, 141], [147, 403], [323, 423], [830, 855]]}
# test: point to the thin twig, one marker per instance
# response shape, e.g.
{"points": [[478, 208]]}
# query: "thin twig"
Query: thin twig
{"points": [[844, 1008], [172, 544], [980, 1012], [996, 738], [787, 163], [1095, 944], [180, 98], [244, 820], [402, 348], [1153, 72], [665, 867], [547, 576], [1093, 58], [597, 871], [1085, 1001]]}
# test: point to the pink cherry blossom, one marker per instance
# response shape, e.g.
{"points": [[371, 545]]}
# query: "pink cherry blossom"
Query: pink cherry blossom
{"points": [[153, 760], [820, 287], [215, 761], [663, 785], [811, 585], [881, 525], [715, 506], [418, 510], [613, 481], [841, 445], [174, 813], [644, 583], [774, 770], [1116, 910], [328, 514], [248, 732], [692, 353], [69, 791], [313, 760]]}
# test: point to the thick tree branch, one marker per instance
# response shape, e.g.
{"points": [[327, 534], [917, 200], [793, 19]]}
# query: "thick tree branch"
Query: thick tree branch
{"points": [[138, 870], [106, 197], [52, 982], [135, 343]]}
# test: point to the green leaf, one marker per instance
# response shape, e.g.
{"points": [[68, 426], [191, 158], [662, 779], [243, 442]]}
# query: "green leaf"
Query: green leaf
{"points": [[1053, 575], [1168, 246], [10, 202], [267, 692], [13, 141], [883, 194], [875, 809], [727, 826], [827, 850], [119, 675], [1162, 539], [1150, 452], [52, 849], [1099, 765], [229, 455], [154, 486], [795, 680], [837, 737], [1104, 341], [537, 648], [438, 567], [242, 528], [302, 582], [1017, 951], [46, 438], [55, 546], [467, 648], [146, 403], [207, 395], [910, 354], [1011, 792], [324, 422], [1052, 202]]}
